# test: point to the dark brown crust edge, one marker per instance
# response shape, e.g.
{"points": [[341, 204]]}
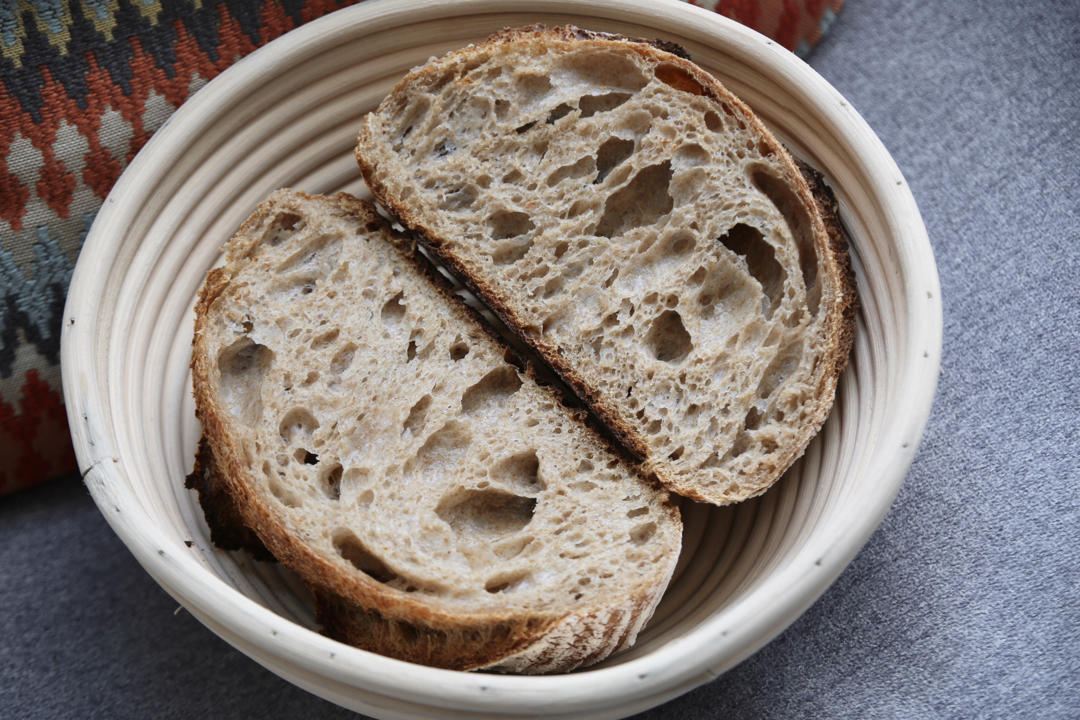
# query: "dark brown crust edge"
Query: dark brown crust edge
{"points": [[842, 328], [827, 204], [403, 628], [227, 529]]}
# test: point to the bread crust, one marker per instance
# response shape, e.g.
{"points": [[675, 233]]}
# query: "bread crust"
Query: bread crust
{"points": [[839, 290], [354, 607]]}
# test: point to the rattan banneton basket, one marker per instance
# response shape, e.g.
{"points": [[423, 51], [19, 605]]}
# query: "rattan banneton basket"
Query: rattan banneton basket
{"points": [[287, 116]]}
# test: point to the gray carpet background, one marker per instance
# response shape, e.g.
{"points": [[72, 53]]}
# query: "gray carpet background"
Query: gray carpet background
{"points": [[964, 604]]}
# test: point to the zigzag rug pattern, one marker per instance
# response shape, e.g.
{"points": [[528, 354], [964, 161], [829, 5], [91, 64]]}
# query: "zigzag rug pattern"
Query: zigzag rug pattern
{"points": [[83, 86]]}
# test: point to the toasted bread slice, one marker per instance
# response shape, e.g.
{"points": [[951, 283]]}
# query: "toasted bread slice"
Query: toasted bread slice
{"points": [[640, 229], [371, 432]]}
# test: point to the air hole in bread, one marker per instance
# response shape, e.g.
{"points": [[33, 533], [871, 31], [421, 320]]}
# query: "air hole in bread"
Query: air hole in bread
{"points": [[782, 366], [509, 549], [287, 220], [283, 222], [753, 419], [508, 224], [610, 155], [678, 244], [583, 485], [642, 201], [325, 339], [578, 208], [522, 129], [409, 116], [501, 107], [363, 559], [284, 495], [317, 257], [331, 481], [512, 358], [393, 310], [417, 415], [504, 582], [677, 453], [459, 198], [458, 349], [583, 167], [410, 350], [533, 86], [297, 426], [641, 534], [760, 257], [553, 321], [243, 365], [713, 121], [342, 359], [668, 339], [492, 391], [604, 69], [638, 512], [356, 476], [486, 513], [592, 104], [540, 270], [574, 269], [510, 251], [713, 461], [691, 155], [442, 448], [799, 223], [444, 148], [678, 78], [559, 112], [305, 457], [742, 444], [520, 472]]}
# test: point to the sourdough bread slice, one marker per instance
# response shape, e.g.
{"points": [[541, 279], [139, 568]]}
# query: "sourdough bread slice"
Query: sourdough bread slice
{"points": [[640, 228], [371, 432]]}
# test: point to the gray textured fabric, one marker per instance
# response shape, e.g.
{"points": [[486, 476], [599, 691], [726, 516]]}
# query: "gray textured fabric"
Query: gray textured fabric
{"points": [[965, 603]]}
